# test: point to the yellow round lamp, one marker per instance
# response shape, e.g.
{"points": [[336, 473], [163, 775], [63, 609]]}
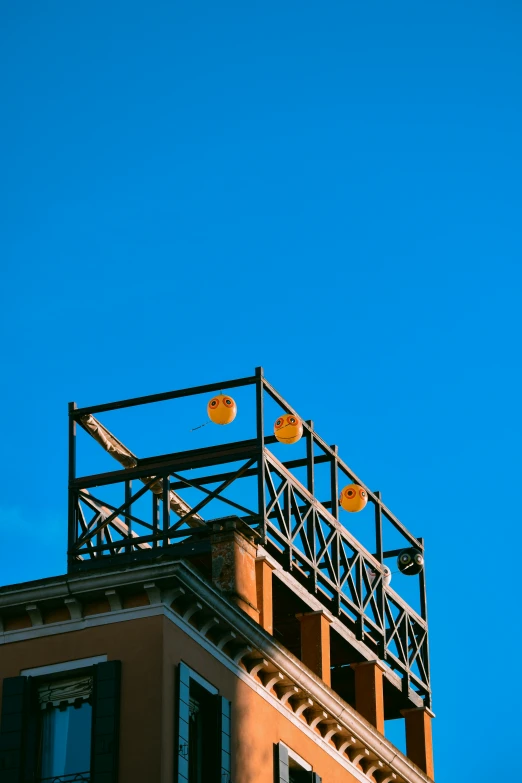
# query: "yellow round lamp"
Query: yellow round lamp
{"points": [[288, 428], [222, 409], [353, 498]]}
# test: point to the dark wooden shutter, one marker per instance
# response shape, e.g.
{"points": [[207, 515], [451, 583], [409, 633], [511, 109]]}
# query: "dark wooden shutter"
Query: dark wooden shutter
{"points": [[15, 713], [106, 722], [182, 719], [281, 763], [316, 778]]}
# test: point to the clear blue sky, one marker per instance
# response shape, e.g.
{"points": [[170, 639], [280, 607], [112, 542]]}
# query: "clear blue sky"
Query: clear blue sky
{"points": [[330, 190]]}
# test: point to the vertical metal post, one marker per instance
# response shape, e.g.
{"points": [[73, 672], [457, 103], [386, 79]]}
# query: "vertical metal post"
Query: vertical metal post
{"points": [[312, 519], [155, 519], [380, 597], [359, 623], [287, 516], [422, 587], [128, 520], [424, 614], [72, 494], [166, 509], [334, 483], [334, 510], [260, 437], [336, 548], [378, 528], [310, 483]]}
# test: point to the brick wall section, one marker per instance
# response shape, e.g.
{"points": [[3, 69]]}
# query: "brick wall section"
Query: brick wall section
{"points": [[264, 594], [234, 566]]}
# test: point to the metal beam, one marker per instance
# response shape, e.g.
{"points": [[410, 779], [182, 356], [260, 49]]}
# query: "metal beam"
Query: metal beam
{"points": [[172, 395], [125, 457]]}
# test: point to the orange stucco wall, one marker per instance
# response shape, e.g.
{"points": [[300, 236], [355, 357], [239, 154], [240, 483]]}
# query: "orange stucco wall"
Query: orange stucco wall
{"points": [[150, 649], [138, 644], [256, 724]]}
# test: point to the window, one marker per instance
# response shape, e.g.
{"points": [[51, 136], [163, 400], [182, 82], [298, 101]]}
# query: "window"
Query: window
{"points": [[297, 774], [201, 726], [56, 728], [65, 729], [203, 740], [291, 768]]}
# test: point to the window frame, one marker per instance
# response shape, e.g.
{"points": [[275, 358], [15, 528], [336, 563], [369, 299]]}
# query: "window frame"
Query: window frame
{"points": [[73, 666], [282, 755], [40, 682], [219, 744], [20, 727]]}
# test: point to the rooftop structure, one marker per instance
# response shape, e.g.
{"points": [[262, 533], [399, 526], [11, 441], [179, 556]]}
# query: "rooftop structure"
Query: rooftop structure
{"points": [[242, 546]]}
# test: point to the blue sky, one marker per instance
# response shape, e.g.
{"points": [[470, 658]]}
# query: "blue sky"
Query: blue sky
{"points": [[330, 190]]}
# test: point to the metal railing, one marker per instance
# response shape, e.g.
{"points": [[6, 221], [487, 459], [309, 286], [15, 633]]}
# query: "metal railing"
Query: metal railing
{"points": [[302, 532]]}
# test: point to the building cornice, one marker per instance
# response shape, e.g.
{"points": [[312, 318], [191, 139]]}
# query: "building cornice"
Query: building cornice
{"points": [[227, 630], [323, 708]]}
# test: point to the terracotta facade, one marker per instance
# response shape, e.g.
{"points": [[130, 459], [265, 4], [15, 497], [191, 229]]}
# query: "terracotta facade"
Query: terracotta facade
{"points": [[149, 650], [154, 617]]}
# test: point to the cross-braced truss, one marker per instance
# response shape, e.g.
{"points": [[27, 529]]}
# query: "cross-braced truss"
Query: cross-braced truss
{"points": [[329, 562]]}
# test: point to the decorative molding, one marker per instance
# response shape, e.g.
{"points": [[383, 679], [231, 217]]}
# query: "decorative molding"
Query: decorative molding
{"points": [[270, 679], [153, 592], [64, 666], [35, 614], [255, 665], [114, 600], [74, 607], [169, 596], [285, 692], [193, 608], [356, 755], [331, 729], [385, 777], [70, 691], [255, 657], [345, 743], [300, 705], [315, 717], [228, 636], [210, 623], [242, 651]]}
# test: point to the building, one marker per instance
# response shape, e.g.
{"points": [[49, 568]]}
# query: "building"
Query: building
{"points": [[266, 645]]}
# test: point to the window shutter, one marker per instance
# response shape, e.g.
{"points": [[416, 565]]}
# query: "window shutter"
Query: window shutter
{"points": [[183, 723], [224, 738], [281, 756], [106, 722], [316, 778], [15, 713]]}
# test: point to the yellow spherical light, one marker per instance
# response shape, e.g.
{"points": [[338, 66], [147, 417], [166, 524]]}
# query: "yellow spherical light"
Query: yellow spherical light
{"points": [[353, 498], [222, 409], [288, 428]]}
